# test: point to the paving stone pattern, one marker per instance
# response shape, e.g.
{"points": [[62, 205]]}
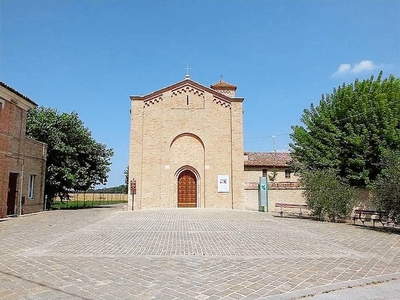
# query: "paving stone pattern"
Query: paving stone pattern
{"points": [[109, 253]]}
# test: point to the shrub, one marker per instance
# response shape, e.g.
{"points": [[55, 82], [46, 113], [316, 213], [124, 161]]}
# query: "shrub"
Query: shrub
{"points": [[386, 188], [326, 196]]}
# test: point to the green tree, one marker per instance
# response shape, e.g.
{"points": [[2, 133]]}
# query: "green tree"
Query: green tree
{"points": [[272, 176], [126, 173], [350, 129], [326, 195], [386, 188], [75, 161]]}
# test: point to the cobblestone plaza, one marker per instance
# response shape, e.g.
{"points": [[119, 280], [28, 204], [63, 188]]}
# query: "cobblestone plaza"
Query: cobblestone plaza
{"points": [[108, 253]]}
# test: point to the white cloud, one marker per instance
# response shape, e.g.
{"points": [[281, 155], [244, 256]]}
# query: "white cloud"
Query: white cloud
{"points": [[364, 65]]}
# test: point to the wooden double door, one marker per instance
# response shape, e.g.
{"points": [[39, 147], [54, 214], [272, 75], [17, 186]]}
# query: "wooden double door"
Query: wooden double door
{"points": [[187, 189]]}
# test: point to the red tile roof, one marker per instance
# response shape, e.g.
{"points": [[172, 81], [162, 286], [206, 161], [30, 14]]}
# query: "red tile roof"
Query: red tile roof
{"points": [[17, 93], [267, 159], [222, 85]]}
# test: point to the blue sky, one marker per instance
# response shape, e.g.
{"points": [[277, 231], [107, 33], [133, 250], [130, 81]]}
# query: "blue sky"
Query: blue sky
{"points": [[89, 56]]}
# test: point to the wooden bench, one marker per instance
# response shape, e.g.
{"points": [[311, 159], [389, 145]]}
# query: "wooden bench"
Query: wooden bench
{"points": [[291, 205], [370, 215]]}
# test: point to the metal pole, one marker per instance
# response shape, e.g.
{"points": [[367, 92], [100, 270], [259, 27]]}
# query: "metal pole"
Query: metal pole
{"points": [[266, 194], [259, 198]]}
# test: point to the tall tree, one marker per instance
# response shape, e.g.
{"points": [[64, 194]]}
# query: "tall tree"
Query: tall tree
{"points": [[386, 188], [75, 161], [350, 129]]}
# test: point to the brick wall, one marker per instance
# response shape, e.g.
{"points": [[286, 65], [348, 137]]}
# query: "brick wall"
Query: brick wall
{"points": [[5, 140], [286, 190], [252, 174], [34, 155], [274, 196], [6, 133], [19, 154], [4, 167]]}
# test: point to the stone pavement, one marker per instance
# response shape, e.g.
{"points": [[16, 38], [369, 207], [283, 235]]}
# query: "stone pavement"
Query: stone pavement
{"points": [[109, 253]]}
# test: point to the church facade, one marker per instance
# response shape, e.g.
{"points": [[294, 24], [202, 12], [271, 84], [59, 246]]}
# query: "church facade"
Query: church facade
{"points": [[186, 149]]}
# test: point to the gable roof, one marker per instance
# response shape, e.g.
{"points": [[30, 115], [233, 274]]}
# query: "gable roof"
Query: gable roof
{"points": [[267, 159], [184, 83], [17, 93]]}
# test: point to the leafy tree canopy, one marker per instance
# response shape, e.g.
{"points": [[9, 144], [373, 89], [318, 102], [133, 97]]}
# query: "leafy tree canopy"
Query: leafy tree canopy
{"points": [[350, 129], [75, 161], [386, 188], [120, 189]]}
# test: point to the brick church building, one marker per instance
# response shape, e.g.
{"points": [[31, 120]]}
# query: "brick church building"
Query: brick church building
{"points": [[186, 150]]}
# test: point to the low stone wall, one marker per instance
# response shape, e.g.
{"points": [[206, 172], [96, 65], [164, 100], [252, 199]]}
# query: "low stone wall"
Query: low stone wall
{"points": [[98, 197], [278, 192]]}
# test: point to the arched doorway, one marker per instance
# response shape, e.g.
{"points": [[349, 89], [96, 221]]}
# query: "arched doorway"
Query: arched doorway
{"points": [[187, 189]]}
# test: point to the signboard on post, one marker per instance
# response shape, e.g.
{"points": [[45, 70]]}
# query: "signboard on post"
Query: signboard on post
{"points": [[263, 194], [133, 190], [133, 186]]}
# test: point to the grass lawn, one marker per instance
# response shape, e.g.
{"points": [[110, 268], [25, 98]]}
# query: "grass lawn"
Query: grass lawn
{"points": [[84, 204]]}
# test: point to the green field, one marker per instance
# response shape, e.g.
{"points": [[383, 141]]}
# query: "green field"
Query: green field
{"points": [[84, 204]]}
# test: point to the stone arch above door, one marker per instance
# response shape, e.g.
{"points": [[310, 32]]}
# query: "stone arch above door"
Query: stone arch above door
{"points": [[186, 153], [187, 136], [187, 149]]}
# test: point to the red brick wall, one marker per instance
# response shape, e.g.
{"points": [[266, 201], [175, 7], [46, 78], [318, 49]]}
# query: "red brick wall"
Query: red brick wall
{"points": [[4, 167], [34, 158], [20, 155], [6, 117], [6, 114]]}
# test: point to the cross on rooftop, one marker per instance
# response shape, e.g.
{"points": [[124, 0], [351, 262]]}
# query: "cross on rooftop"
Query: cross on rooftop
{"points": [[187, 71]]}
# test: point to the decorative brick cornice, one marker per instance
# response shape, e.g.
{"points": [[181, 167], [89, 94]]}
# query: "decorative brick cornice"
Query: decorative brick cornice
{"points": [[184, 86], [221, 101], [187, 89], [155, 99]]}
